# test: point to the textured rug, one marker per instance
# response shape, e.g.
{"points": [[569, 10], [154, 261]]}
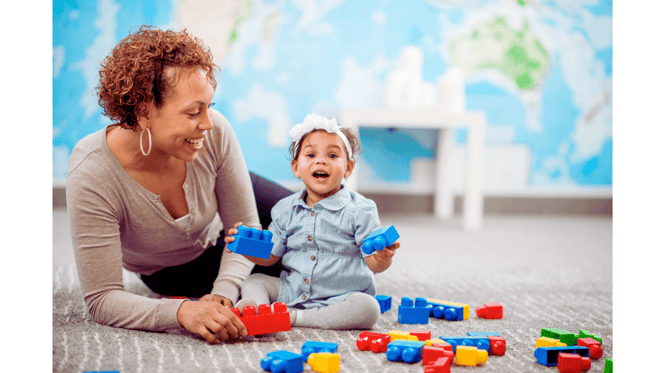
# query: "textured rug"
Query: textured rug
{"points": [[551, 273]]}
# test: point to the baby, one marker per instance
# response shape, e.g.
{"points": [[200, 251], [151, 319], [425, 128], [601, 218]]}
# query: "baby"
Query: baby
{"points": [[328, 282]]}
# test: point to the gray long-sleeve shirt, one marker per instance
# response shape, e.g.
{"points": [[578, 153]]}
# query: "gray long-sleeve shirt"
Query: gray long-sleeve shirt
{"points": [[116, 223]]}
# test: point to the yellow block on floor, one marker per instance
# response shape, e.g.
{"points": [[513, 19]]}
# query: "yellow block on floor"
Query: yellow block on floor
{"points": [[470, 356], [324, 362], [549, 342]]}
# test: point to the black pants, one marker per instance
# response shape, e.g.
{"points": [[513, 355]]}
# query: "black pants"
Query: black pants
{"points": [[195, 278]]}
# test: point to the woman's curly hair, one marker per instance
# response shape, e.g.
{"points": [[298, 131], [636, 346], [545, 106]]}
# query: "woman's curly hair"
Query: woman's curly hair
{"points": [[132, 76]]}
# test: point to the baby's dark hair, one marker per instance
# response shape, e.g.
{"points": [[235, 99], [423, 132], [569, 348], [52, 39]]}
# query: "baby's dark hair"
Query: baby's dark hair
{"points": [[351, 135]]}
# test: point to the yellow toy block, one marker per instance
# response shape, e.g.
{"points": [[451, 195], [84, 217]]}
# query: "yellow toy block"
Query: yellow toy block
{"points": [[549, 342], [396, 334], [434, 342], [324, 362], [465, 309], [470, 356]]}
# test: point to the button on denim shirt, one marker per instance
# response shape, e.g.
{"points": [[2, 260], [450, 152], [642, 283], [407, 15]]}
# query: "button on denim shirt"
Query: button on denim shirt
{"points": [[320, 247]]}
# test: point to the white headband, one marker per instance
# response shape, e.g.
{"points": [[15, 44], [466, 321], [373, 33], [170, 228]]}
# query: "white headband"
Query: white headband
{"points": [[317, 122]]}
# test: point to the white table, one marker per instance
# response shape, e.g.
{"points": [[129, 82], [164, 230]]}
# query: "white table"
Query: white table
{"points": [[473, 121]]}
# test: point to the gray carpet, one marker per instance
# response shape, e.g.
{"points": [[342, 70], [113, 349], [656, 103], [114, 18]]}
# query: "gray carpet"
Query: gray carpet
{"points": [[548, 272]]}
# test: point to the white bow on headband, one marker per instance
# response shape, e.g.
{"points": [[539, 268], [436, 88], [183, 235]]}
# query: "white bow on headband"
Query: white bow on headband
{"points": [[315, 122]]}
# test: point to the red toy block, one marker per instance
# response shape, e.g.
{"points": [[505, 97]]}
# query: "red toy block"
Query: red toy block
{"points": [[422, 335], [441, 365], [595, 351], [572, 363], [490, 311], [433, 353], [497, 345], [377, 342], [266, 321]]}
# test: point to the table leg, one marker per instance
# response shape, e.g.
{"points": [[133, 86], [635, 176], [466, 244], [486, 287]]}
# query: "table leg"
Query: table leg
{"points": [[444, 198], [473, 195]]}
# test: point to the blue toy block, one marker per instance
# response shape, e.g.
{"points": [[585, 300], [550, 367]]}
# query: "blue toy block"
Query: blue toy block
{"points": [[483, 334], [282, 361], [405, 350], [449, 312], [483, 343], [252, 242], [549, 355], [408, 313], [385, 302], [310, 347], [380, 239]]}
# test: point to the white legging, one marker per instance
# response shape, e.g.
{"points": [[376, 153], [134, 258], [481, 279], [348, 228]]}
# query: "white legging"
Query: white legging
{"points": [[357, 311]]}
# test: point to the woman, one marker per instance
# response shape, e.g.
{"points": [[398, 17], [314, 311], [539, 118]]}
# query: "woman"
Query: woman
{"points": [[153, 192]]}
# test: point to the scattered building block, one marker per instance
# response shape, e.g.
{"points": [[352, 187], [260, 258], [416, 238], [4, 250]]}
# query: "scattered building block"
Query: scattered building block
{"points": [[379, 239], [570, 339], [282, 362], [497, 343], [324, 362], [310, 347], [470, 356], [548, 342], [422, 335], [483, 334], [588, 334], [252, 242], [406, 351], [572, 363], [265, 321], [441, 365], [549, 355], [609, 365], [492, 311], [595, 351], [450, 311], [433, 353], [439, 343], [482, 343], [397, 334], [385, 302], [413, 313], [377, 342]]}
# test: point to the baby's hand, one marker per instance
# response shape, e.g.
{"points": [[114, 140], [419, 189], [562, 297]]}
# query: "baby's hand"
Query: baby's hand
{"points": [[229, 235], [386, 253]]}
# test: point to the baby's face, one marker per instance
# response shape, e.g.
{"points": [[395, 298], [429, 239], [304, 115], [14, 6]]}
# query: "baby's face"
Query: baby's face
{"points": [[322, 165]]}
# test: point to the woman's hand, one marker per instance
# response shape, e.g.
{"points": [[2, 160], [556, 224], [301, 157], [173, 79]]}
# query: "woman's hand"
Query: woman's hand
{"points": [[211, 320], [218, 299]]}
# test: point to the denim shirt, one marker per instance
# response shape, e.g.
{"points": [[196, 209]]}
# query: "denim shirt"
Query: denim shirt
{"points": [[320, 247]]}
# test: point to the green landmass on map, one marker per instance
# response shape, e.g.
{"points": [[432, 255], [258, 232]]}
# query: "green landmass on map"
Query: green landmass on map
{"points": [[517, 54]]}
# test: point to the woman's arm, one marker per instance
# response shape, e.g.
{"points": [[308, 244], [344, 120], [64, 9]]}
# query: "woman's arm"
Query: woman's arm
{"points": [[96, 239], [235, 203]]}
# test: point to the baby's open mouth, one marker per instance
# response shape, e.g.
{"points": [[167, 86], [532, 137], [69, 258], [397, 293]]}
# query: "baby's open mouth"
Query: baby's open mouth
{"points": [[320, 175]]}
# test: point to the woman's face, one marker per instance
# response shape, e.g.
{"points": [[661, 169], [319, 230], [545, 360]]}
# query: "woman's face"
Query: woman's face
{"points": [[179, 126]]}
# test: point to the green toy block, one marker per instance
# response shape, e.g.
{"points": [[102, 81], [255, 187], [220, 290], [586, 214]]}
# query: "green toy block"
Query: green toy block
{"points": [[588, 334], [608, 365], [570, 339]]}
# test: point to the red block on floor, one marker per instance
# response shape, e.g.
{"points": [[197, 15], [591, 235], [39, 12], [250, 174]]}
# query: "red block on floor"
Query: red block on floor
{"points": [[422, 335], [595, 351], [433, 353], [266, 321], [490, 311], [572, 363], [377, 342], [441, 365], [497, 345]]}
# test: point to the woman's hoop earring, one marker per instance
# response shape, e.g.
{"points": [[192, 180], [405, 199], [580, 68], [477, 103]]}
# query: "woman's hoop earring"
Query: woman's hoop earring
{"points": [[149, 142]]}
